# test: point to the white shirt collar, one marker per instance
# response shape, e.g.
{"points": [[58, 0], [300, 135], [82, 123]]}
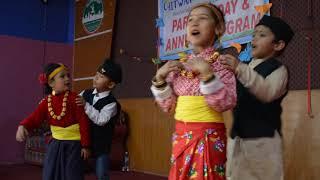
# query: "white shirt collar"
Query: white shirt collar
{"points": [[102, 94], [256, 62]]}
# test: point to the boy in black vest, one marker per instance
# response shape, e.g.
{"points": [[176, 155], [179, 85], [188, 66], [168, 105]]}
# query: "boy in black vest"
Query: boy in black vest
{"points": [[261, 86], [103, 109]]}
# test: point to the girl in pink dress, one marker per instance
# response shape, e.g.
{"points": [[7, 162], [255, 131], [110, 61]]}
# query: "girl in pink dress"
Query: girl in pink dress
{"points": [[198, 89]]}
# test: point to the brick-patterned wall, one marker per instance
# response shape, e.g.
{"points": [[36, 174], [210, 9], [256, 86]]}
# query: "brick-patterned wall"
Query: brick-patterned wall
{"points": [[304, 18]]}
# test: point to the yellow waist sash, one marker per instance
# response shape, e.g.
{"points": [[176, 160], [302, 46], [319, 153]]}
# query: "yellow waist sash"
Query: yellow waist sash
{"points": [[68, 133], [196, 109]]}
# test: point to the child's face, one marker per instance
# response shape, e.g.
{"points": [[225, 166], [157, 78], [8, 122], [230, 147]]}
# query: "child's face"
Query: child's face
{"points": [[102, 83], [263, 45], [201, 28], [61, 81]]}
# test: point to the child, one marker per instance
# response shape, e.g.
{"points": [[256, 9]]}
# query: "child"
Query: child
{"points": [[68, 123], [198, 89], [261, 86], [103, 109]]}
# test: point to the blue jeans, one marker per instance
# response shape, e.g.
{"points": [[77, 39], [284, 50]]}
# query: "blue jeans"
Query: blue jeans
{"points": [[102, 167]]}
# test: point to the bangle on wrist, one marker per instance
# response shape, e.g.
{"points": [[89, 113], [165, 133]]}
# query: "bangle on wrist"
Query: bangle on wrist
{"points": [[162, 87], [158, 84]]}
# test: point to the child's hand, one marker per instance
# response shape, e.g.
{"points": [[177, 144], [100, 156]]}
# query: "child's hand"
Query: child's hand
{"points": [[85, 153], [166, 69], [229, 62], [200, 65], [21, 134], [80, 101]]}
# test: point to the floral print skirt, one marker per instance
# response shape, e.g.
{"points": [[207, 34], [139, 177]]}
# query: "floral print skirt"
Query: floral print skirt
{"points": [[198, 151]]}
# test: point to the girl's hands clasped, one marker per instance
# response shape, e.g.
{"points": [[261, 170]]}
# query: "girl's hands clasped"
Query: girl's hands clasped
{"points": [[166, 69], [199, 65]]}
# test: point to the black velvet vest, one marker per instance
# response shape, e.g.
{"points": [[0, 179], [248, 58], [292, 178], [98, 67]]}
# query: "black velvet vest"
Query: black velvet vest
{"points": [[253, 118], [101, 136]]}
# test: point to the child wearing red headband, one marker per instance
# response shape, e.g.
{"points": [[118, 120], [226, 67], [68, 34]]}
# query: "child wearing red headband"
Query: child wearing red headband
{"points": [[68, 123]]}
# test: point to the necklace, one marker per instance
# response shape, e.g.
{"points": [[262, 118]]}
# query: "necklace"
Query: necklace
{"points": [[64, 106], [191, 74]]}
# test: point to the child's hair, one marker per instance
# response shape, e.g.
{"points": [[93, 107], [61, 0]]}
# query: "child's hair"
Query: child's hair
{"points": [[280, 29], [112, 70], [46, 76], [218, 17]]}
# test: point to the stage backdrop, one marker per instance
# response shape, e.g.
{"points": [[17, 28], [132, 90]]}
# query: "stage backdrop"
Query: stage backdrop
{"points": [[241, 16]]}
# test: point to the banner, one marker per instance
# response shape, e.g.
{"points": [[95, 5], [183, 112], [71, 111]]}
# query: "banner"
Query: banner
{"points": [[241, 16]]}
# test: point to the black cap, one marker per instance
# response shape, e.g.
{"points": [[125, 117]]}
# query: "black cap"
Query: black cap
{"points": [[111, 70], [279, 27]]}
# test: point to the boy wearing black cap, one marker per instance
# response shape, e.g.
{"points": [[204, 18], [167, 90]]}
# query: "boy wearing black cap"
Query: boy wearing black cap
{"points": [[102, 109], [261, 86]]}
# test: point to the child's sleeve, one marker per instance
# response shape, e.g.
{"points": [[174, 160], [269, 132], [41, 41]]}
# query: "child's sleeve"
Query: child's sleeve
{"points": [[265, 89], [84, 126], [103, 116], [165, 97], [220, 93], [35, 118]]}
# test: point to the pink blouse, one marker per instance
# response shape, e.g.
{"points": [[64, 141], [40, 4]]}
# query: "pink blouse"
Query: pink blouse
{"points": [[220, 94]]}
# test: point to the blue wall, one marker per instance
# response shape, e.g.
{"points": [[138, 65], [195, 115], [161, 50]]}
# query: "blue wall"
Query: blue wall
{"points": [[35, 20]]}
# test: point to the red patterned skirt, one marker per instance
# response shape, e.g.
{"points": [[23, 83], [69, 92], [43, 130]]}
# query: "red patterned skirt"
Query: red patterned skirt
{"points": [[198, 151]]}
